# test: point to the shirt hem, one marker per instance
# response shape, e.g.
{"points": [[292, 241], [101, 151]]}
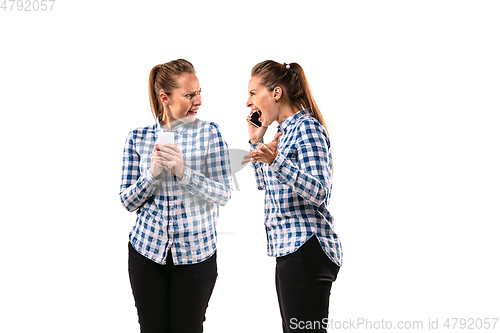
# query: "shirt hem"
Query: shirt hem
{"points": [[162, 260], [271, 253]]}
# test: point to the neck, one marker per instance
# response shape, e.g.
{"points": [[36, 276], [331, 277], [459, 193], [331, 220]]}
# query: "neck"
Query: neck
{"points": [[166, 123], [167, 126], [165, 120], [171, 124], [285, 112]]}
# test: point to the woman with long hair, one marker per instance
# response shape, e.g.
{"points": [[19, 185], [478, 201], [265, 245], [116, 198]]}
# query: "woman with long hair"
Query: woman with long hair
{"points": [[175, 189], [295, 170]]}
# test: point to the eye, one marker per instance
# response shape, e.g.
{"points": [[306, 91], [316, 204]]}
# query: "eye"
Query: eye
{"points": [[192, 94]]}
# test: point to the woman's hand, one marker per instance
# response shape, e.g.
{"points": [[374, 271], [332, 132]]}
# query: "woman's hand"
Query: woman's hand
{"points": [[158, 162], [164, 156], [173, 154], [256, 133], [266, 153]]}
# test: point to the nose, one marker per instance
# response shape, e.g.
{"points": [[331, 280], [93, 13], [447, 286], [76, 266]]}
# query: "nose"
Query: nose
{"points": [[249, 102], [197, 100]]}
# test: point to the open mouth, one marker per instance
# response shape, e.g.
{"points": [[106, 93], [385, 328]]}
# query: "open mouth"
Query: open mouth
{"points": [[260, 114], [192, 113]]}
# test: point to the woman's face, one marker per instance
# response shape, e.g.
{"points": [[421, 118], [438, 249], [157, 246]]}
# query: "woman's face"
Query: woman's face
{"points": [[262, 100], [183, 102]]}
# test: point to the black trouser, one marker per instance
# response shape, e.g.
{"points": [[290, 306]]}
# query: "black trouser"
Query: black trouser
{"points": [[303, 283], [171, 298]]}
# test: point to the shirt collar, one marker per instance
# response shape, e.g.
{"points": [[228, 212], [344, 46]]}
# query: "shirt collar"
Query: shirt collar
{"points": [[179, 128], [293, 118]]}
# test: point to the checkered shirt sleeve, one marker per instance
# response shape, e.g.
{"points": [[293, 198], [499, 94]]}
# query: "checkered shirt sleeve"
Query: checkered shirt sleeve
{"points": [[310, 175], [135, 187], [216, 187]]}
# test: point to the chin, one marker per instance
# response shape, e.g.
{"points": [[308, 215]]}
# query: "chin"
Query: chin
{"points": [[189, 118]]}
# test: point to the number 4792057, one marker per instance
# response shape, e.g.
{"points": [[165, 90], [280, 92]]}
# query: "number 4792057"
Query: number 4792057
{"points": [[27, 5]]}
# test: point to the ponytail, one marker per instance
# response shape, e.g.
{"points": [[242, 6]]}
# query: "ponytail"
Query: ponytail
{"points": [[305, 97], [164, 78], [154, 100]]}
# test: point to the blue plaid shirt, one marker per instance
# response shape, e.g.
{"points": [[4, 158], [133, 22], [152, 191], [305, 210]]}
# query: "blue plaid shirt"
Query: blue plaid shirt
{"points": [[173, 213], [298, 187]]}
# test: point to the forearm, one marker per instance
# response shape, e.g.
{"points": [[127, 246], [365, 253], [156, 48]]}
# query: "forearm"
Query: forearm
{"points": [[258, 172], [208, 189], [135, 195], [304, 184]]}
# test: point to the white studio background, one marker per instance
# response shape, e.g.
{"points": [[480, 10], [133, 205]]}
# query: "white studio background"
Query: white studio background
{"points": [[410, 93]]}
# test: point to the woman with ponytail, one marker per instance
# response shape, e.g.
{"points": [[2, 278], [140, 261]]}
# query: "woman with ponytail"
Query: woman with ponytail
{"points": [[295, 170], [176, 190]]}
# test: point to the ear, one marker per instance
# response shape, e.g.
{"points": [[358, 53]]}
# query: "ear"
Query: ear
{"points": [[277, 93], [164, 98]]}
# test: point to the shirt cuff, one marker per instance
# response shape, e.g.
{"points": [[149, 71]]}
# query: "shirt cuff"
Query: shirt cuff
{"points": [[277, 163], [186, 179], [254, 145], [150, 179]]}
